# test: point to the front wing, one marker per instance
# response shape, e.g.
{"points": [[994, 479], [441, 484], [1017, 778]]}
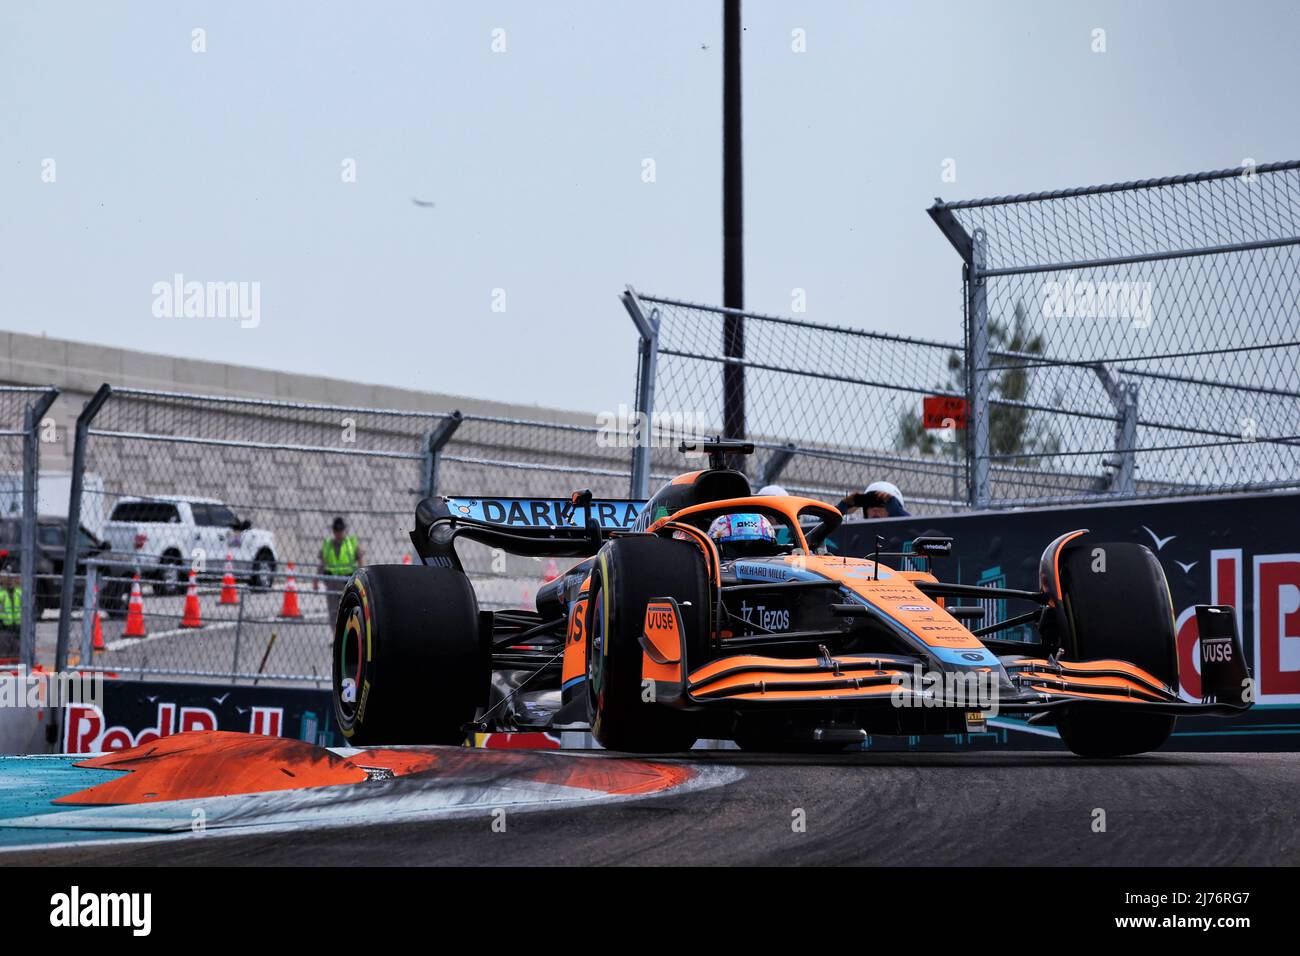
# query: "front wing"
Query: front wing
{"points": [[1025, 683]]}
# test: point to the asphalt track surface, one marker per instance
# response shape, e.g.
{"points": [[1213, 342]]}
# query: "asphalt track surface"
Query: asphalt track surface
{"points": [[978, 809]]}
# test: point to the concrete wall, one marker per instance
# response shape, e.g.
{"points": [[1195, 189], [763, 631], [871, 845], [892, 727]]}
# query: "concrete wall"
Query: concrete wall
{"points": [[79, 369], [295, 493]]}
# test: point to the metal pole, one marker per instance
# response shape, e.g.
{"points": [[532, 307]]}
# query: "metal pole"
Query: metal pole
{"points": [[978, 370], [775, 464], [647, 365], [733, 224], [89, 609], [1126, 439], [956, 469], [87, 415], [436, 441], [32, 418], [239, 629], [1124, 397]]}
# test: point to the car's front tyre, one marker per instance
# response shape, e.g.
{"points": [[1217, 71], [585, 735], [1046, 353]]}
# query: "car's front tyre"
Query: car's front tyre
{"points": [[1118, 607], [627, 575]]}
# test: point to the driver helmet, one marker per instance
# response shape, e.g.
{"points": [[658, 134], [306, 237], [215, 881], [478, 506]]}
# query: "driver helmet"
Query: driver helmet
{"points": [[740, 535]]}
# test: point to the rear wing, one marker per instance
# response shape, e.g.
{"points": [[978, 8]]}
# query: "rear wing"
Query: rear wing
{"points": [[558, 527], [609, 514]]}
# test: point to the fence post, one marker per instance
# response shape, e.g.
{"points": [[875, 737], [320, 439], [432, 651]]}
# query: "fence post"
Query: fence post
{"points": [[87, 415], [1124, 397], [89, 609], [957, 447], [1126, 429], [433, 446], [32, 417], [1129, 439], [978, 364], [647, 363], [239, 629], [775, 464]]}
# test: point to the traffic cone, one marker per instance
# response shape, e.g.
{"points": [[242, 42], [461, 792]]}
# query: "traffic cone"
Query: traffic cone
{"points": [[289, 608], [192, 617], [99, 627], [229, 593], [406, 559], [135, 611]]}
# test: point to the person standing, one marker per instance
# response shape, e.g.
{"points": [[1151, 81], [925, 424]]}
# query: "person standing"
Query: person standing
{"points": [[881, 499], [340, 555], [11, 610], [11, 598]]}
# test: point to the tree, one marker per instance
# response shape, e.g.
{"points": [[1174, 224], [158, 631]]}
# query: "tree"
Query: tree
{"points": [[1012, 430]]}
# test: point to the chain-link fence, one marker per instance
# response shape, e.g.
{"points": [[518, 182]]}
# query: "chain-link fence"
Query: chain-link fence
{"points": [[223, 506], [494, 456], [1125, 341], [486, 454], [1131, 340], [830, 409], [29, 565], [1141, 338]]}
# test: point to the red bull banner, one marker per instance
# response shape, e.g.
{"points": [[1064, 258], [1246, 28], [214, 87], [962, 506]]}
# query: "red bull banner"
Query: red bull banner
{"points": [[132, 713]]}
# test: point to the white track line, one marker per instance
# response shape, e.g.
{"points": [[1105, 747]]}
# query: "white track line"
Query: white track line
{"points": [[123, 643]]}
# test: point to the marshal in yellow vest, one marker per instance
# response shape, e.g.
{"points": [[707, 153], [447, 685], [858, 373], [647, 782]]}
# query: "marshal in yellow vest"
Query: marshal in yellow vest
{"points": [[341, 560]]}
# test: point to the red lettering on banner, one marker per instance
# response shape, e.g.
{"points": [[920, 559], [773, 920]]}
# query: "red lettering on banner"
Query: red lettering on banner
{"points": [[197, 718], [163, 727], [1189, 660], [84, 731], [82, 726], [1225, 588], [1277, 628], [1225, 582], [266, 720], [115, 738]]}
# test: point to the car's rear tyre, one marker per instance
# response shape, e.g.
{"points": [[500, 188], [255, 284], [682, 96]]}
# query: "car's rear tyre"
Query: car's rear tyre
{"points": [[627, 575], [1124, 613], [409, 664]]}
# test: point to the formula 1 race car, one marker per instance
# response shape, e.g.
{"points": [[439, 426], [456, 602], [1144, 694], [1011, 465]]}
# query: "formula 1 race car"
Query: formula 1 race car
{"points": [[708, 612]]}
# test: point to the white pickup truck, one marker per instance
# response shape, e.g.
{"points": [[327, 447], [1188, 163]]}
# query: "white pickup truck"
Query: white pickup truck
{"points": [[165, 535]]}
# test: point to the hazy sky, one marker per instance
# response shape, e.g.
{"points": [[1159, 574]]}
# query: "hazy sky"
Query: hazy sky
{"points": [[228, 165]]}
